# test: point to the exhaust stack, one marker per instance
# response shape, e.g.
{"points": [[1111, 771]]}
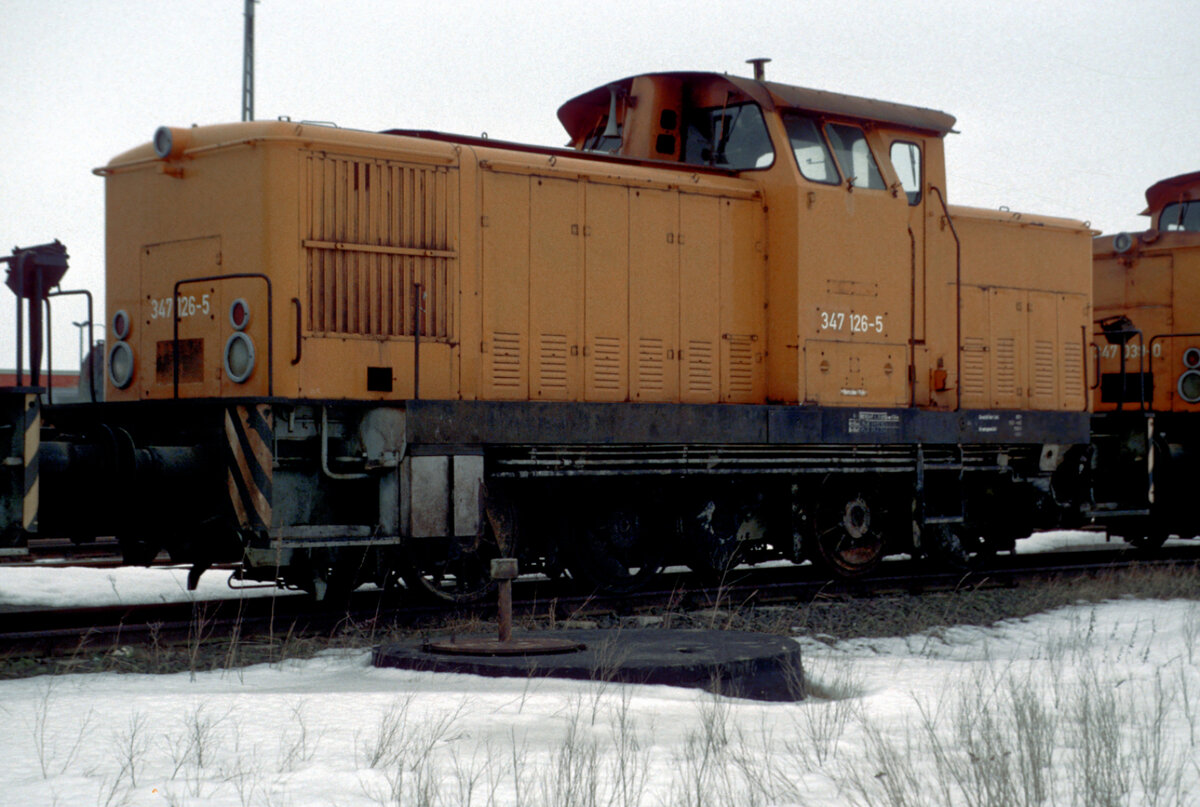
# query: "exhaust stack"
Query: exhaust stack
{"points": [[760, 72]]}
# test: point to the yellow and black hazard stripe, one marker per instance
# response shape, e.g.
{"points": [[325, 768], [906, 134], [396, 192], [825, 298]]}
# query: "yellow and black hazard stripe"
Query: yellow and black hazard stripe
{"points": [[32, 422], [248, 460]]}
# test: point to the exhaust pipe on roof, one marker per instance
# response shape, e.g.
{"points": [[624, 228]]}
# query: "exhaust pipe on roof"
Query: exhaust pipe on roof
{"points": [[760, 72]]}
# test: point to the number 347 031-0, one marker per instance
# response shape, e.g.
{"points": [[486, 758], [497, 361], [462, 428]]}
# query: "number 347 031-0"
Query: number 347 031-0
{"points": [[854, 323], [1131, 350], [189, 305]]}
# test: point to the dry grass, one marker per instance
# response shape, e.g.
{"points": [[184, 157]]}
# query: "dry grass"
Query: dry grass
{"points": [[825, 617]]}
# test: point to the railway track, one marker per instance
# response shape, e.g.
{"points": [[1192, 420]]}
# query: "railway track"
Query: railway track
{"points": [[55, 632], [101, 553]]}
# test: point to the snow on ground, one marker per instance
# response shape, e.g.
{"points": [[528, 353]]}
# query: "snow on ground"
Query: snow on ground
{"points": [[76, 586], [80, 586], [1092, 704]]}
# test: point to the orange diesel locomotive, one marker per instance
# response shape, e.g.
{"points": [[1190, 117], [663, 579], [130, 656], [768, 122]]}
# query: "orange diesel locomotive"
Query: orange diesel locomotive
{"points": [[733, 320]]}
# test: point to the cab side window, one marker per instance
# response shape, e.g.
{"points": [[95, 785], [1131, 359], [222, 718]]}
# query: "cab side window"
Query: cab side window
{"points": [[854, 156], [906, 159], [812, 155]]}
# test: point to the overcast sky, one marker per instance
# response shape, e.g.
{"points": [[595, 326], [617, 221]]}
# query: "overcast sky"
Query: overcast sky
{"points": [[1064, 108]]}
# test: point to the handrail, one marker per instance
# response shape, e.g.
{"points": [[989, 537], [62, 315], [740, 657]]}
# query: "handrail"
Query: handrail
{"points": [[957, 300], [50, 353], [299, 331], [1158, 336], [1114, 335], [1083, 360], [270, 324]]}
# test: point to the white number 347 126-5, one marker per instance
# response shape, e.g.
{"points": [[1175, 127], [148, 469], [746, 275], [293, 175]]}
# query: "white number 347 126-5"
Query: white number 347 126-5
{"points": [[856, 323], [189, 305]]}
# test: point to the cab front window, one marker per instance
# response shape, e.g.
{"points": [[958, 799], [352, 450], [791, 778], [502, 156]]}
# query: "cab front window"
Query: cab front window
{"points": [[1180, 217], [733, 137]]}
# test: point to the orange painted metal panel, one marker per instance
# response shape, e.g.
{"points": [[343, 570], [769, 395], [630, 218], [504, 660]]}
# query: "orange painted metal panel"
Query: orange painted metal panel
{"points": [[505, 256], [1044, 389], [868, 374], [555, 289], [1008, 325], [743, 306], [1141, 288], [606, 298], [653, 295], [699, 298], [975, 376], [207, 327], [1074, 324]]}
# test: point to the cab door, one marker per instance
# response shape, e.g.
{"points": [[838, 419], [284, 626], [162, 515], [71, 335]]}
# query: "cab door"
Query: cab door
{"points": [[906, 157], [856, 270]]}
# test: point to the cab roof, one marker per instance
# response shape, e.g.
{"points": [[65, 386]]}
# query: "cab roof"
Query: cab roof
{"points": [[579, 114], [1182, 188]]}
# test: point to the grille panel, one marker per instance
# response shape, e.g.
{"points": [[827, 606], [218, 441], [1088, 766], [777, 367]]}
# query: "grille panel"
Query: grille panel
{"points": [[372, 229], [506, 359], [606, 372], [741, 364]]}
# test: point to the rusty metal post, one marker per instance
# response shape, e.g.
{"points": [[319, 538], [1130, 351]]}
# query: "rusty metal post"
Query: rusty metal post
{"points": [[504, 571]]}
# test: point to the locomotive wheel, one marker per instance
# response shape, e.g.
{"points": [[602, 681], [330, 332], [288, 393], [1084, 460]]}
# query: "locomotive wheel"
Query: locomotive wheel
{"points": [[459, 569], [1150, 534], [715, 531], [608, 551], [452, 569], [848, 540], [1146, 541], [329, 575], [344, 571], [946, 548], [138, 550]]}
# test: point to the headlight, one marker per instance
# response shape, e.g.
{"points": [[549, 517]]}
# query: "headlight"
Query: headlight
{"points": [[1191, 358], [120, 365], [1189, 386], [239, 357], [164, 141]]}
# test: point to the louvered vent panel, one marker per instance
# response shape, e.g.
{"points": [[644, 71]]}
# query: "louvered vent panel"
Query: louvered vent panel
{"points": [[373, 229], [973, 375], [1043, 369], [1006, 366], [552, 364], [650, 364], [606, 364], [1072, 371], [506, 359], [741, 364], [700, 366]]}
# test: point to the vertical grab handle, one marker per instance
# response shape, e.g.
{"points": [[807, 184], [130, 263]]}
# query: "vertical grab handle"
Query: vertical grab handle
{"points": [[299, 342]]}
